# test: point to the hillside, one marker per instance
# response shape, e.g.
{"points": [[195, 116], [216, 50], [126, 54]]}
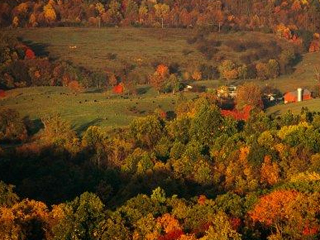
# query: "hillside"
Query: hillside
{"points": [[295, 108], [112, 48], [135, 52], [303, 75]]}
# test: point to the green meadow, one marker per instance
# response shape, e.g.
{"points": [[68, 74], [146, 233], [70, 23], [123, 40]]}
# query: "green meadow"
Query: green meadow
{"points": [[88, 108]]}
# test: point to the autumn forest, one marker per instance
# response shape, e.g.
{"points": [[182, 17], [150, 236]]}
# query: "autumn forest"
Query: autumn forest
{"points": [[159, 119]]}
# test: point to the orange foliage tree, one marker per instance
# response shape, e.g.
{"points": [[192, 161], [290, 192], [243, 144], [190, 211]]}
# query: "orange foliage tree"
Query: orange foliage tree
{"points": [[270, 171], [288, 212], [24, 220], [75, 86]]}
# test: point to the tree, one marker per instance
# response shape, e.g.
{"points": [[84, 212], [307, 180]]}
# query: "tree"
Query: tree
{"points": [[249, 94], [49, 13], [93, 137], [158, 79], [273, 68], [207, 124], [12, 127], [114, 12], [228, 70], [270, 171], [15, 21], [58, 132], [30, 54], [146, 131], [286, 60], [243, 72], [33, 20], [114, 227], [75, 86], [25, 220], [81, 218], [161, 11], [196, 75], [288, 212], [221, 229], [7, 197], [262, 71]]}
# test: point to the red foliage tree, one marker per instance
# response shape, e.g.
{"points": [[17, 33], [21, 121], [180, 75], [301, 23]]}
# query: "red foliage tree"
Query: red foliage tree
{"points": [[118, 89], [30, 54], [2, 93], [172, 235]]}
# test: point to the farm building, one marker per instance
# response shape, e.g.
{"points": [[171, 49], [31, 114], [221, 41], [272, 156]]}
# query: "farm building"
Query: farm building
{"points": [[297, 96]]}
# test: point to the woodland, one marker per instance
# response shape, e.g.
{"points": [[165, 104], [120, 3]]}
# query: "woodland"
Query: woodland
{"points": [[211, 168]]}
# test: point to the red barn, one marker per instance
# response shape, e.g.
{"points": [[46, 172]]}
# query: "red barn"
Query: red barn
{"points": [[291, 97]]}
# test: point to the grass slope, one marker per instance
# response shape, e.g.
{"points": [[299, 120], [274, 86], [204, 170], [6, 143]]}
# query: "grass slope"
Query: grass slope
{"points": [[139, 46], [312, 105], [303, 76], [85, 109], [144, 46]]}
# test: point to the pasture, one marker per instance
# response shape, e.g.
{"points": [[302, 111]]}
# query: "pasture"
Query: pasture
{"points": [[295, 108], [88, 108], [113, 48]]}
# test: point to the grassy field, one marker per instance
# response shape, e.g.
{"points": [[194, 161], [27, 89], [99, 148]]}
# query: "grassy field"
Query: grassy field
{"points": [[85, 109], [139, 46], [302, 77], [143, 47], [312, 105]]}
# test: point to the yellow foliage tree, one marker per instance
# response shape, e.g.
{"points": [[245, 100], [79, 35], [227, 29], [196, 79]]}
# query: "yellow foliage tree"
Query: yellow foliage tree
{"points": [[270, 171], [33, 20], [49, 13], [15, 21], [24, 220]]}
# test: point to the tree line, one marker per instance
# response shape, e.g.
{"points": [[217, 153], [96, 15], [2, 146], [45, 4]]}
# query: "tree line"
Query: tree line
{"points": [[226, 14]]}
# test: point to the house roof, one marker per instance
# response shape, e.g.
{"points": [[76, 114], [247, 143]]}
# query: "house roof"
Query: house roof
{"points": [[295, 93]]}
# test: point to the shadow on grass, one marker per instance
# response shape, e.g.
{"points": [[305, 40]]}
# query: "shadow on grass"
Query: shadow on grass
{"points": [[40, 49], [143, 90], [96, 90], [33, 126]]}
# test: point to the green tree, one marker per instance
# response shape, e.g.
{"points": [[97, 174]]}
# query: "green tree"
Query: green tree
{"points": [[146, 131], [7, 197], [81, 218], [12, 127], [207, 124], [273, 68], [114, 227], [221, 229], [59, 132]]}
